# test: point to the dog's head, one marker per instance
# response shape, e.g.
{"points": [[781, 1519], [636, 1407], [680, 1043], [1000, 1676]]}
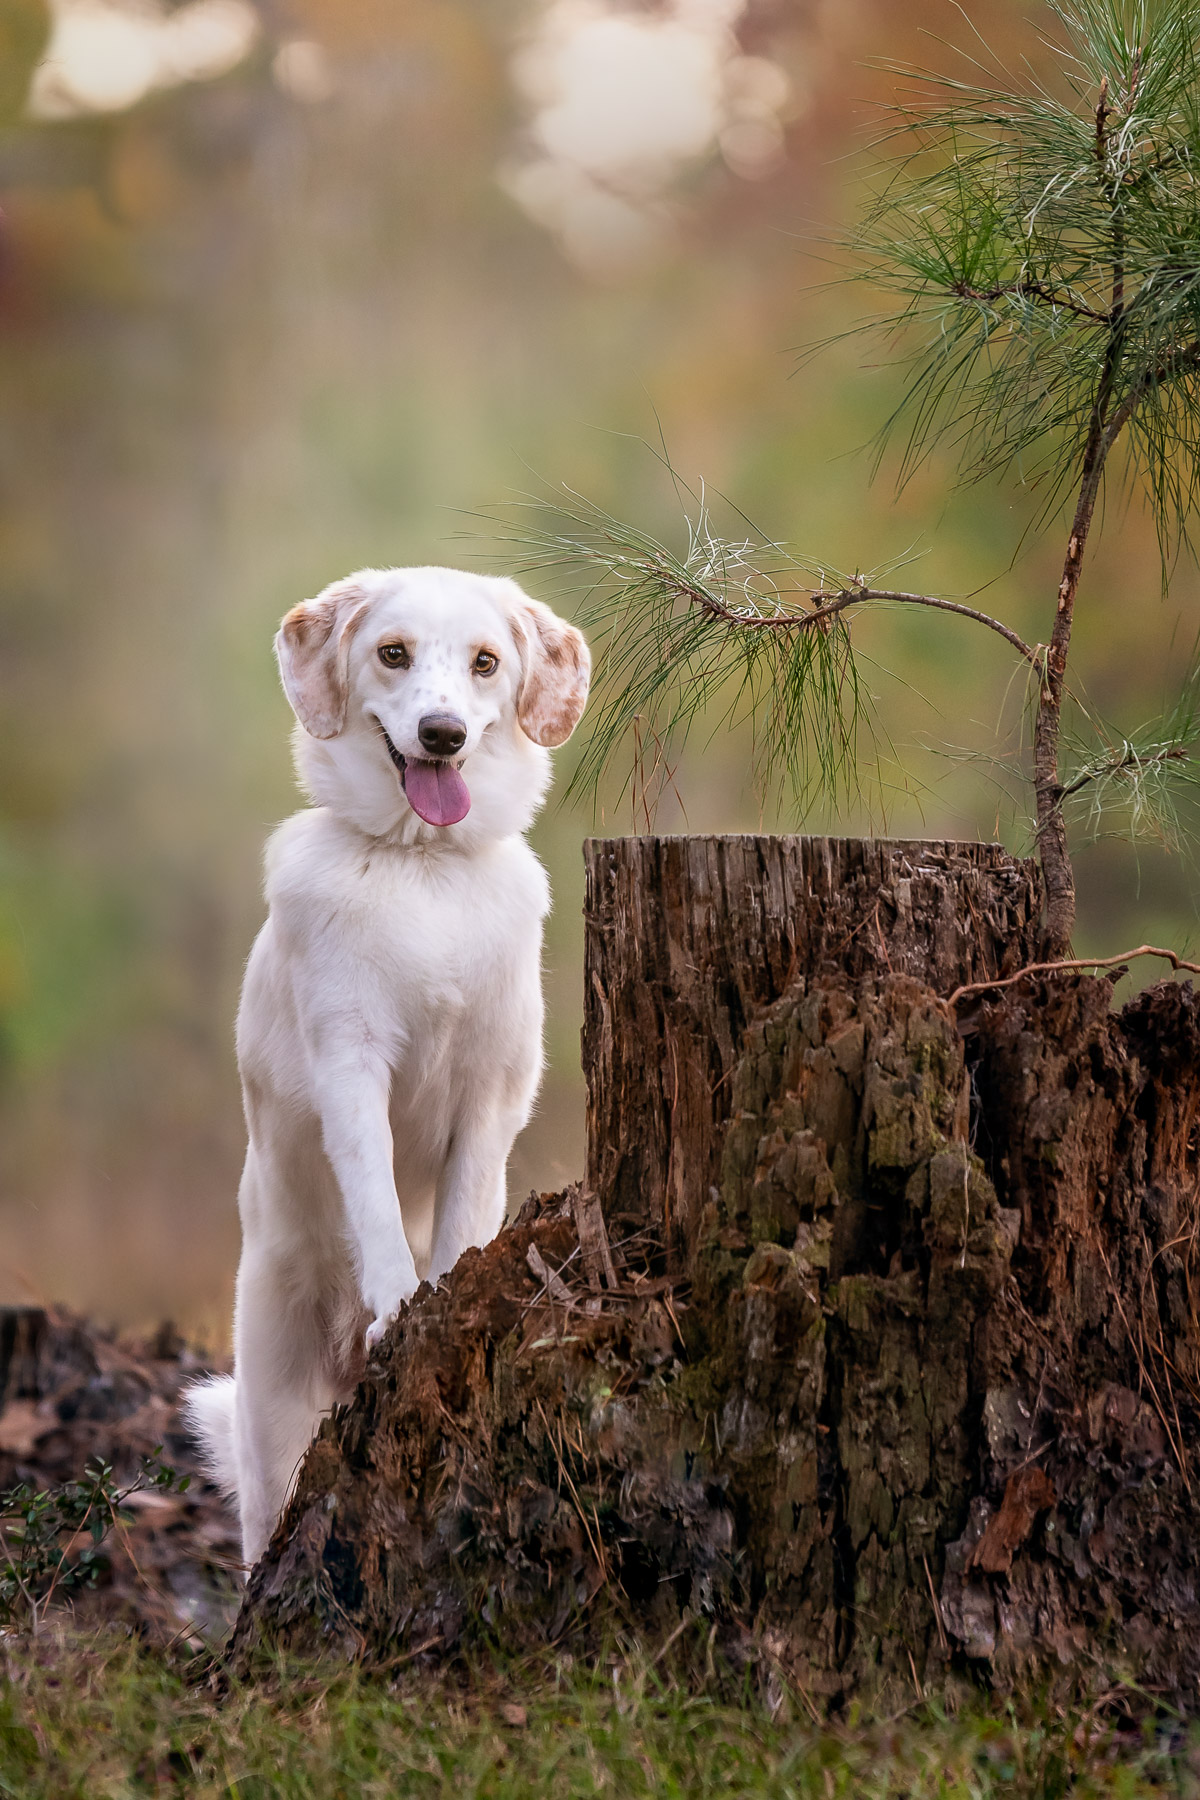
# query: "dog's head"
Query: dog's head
{"points": [[430, 692]]}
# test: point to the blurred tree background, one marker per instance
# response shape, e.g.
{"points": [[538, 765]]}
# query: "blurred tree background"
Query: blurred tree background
{"points": [[294, 287]]}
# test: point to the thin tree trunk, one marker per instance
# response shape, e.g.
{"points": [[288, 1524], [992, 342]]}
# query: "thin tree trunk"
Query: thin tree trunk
{"points": [[1048, 794], [1102, 434]]}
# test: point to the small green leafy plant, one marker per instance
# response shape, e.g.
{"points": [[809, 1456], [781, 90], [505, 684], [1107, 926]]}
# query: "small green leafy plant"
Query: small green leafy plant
{"points": [[1039, 241], [52, 1539]]}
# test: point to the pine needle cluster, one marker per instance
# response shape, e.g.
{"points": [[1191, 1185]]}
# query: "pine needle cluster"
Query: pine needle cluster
{"points": [[720, 626], [1144, 786], [1042, 237]]}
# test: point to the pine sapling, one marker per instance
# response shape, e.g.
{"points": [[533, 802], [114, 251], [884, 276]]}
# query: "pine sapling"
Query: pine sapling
{"points": [[1040, 242]]}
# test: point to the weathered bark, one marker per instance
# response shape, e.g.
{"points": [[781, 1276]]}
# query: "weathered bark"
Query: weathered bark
{"points": [[689, 937], [914, 1394]]}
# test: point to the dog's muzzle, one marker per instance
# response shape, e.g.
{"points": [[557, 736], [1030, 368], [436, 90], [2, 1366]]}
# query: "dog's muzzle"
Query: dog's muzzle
{"points": [[434, 789]]}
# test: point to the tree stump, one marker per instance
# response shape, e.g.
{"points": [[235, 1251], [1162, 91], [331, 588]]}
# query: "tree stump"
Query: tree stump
{"points": [[870, 1343], [688, 938]]}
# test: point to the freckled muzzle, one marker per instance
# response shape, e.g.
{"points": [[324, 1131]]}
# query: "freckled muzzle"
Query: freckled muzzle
{"points": [[435, 790]]}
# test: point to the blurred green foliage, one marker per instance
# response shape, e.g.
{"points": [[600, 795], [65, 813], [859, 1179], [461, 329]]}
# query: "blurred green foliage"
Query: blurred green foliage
{"points": [[24, 31]]}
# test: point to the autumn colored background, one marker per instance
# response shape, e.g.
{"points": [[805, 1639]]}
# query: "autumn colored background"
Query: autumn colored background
{"points": [[290, 289]]}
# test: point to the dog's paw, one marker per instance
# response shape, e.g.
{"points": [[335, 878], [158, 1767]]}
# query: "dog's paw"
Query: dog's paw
{"points": [[385, 1302], [376, 1329]]}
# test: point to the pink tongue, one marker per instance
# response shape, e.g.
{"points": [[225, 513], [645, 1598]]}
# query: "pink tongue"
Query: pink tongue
{"points": [[436, 792]]}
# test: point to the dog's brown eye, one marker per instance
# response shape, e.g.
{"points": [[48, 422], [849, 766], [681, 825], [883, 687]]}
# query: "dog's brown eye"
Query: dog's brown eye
{"points": [[393, 656], [486, 663]]}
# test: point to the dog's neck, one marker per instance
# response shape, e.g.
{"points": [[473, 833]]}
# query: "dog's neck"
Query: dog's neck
{"points": [[351, 776]]}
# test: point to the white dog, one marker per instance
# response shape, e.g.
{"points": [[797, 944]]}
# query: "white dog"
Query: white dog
{"points": [[389, 1035]]}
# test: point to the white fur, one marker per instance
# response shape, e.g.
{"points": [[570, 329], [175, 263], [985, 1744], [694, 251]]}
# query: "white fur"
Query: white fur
{"points": [[389, 1035]]}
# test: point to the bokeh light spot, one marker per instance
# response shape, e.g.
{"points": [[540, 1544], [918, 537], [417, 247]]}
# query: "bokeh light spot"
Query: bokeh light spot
{"points": [[622, 103], [106, 55]]}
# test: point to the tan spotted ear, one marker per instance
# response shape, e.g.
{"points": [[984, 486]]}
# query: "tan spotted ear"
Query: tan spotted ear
{"points": [[556, 667], [313, 648]]}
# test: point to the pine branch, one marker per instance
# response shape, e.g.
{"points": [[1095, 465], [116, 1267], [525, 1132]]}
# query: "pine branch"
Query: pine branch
{"points": [[653, 614], [1147, 773], [1180, 363], [1127, 762], [1021, 290], [827, 603]]}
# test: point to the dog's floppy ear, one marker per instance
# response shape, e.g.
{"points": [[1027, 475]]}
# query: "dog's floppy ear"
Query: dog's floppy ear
{"points": [[313, 648], [556, 666]]}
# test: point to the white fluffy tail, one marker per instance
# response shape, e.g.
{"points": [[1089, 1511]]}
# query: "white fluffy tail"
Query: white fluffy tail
{"points": [[208, 1414]]}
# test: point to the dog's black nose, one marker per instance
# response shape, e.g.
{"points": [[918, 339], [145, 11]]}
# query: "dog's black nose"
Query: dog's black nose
{"points": [[442, 733]]}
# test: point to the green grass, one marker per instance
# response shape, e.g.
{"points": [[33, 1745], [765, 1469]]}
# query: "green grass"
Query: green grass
{"points": [[103, 1718]]}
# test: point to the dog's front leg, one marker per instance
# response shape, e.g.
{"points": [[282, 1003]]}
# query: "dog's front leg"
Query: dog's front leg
{"points": [[352, 1088], [471, 1193]]}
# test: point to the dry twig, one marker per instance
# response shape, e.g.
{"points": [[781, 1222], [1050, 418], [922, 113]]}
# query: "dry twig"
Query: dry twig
{"points": [[1069, 965]]}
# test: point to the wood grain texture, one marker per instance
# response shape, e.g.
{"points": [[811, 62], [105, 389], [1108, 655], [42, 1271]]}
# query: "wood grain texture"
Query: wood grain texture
{"points": [[688, 938]]}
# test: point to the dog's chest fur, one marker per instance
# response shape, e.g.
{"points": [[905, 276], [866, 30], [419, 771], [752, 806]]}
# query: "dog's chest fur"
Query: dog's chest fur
{"points": [[434, 954]]}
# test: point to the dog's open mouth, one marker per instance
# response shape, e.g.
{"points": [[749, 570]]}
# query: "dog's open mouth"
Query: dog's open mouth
{"points": [[436, 791]]}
